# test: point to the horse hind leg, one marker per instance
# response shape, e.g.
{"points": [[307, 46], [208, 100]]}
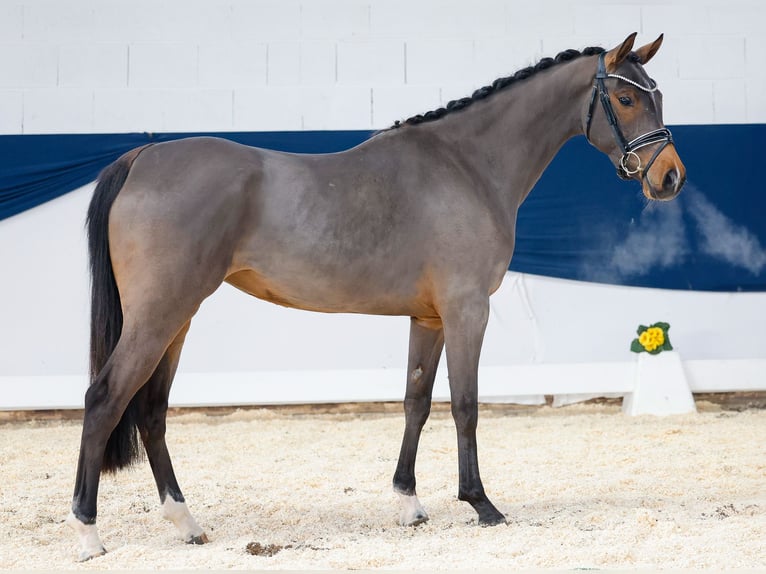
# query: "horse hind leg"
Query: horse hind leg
{"points": [[152, 403], [131, 364], [425, 350]]}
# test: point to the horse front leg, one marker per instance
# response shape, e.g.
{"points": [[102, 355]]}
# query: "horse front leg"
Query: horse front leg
{"points": [[426, 346], [464, 327]]}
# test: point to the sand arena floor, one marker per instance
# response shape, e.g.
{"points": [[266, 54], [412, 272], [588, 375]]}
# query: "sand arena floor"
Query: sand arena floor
{"points": [[584, 487]]}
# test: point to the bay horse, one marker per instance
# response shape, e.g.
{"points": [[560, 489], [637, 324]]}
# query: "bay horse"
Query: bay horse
{"points": [[416, 221]]}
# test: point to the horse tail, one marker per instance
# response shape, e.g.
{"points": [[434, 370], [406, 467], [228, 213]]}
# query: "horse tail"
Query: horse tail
{"points": [[123, 446]]}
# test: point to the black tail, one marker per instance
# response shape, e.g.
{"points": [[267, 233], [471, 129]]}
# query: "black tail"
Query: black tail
{"points": [[123, 446]]}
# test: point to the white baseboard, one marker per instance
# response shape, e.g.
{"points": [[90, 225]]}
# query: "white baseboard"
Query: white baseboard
{"points": [[512, 384]]}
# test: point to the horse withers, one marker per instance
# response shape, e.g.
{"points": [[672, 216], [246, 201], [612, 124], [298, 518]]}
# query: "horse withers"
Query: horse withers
{"points": [[419, 221]]}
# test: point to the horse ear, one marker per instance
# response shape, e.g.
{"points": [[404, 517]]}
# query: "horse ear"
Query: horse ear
{"points": [[615, 56], [645, 53]]}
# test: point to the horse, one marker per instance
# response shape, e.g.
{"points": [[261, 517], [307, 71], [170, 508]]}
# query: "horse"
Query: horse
{"points": [[416, 221]]}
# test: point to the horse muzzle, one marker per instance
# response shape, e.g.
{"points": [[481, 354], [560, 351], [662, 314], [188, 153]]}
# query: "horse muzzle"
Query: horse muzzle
{"points": [[665, 177], [663, 174]]}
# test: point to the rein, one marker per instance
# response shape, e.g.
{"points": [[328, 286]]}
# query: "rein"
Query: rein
{"points": [[628, 148]]}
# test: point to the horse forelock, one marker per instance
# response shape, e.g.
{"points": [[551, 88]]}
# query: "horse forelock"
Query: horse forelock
{"points": [[637, 67], [498, 85]]}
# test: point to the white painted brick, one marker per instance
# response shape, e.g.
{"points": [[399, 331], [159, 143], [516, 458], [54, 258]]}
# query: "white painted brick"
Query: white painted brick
{"points": [[266, 20], [498, 57], [55, 21], [272, 108], [756, 99], [487, 19], [232, 65], [712, 57], [93, 65], [673, 20], [12, 116], [276, 108], [711, 61], [439, 61], [729, 102], [335, 19], [736, 18], [555, 44], [439, 19], [392, 103], [58, 110], [308, 63], [536, 20], [422, 19], [162, 110], [373, 62], [28, 65], [162, 65], [11, 22], [337, 108], [687, 102], [148, 21], [284, 63], [198, 110], [755, 55], [292, 63], [318, 62], [592, 20], [128, 110]]}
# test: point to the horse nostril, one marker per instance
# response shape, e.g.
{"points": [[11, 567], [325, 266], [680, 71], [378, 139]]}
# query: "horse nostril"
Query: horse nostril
{"points": [[670, 181]]}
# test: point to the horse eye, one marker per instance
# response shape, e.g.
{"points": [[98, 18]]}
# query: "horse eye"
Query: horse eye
{"points": [[625, 101]]}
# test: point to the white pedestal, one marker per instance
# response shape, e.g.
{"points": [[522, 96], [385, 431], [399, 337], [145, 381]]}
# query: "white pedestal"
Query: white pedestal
{"points": [[660, 387]]}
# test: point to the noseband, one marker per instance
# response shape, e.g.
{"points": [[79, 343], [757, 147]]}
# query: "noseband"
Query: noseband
{"points": [[628, 148]]}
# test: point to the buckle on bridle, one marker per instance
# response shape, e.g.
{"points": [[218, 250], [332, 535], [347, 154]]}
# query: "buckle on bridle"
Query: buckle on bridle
{"points": [[625, 159], [660, 136]]}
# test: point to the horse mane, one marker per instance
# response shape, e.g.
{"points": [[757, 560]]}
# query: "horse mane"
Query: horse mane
{"points": [[496, 86]]}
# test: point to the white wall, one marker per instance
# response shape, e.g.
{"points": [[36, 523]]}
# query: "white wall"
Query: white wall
{"points": [[190, 65], [198, 65]]}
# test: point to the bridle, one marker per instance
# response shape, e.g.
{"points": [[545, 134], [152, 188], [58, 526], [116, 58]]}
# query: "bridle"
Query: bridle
{"points": [[628, 148]]}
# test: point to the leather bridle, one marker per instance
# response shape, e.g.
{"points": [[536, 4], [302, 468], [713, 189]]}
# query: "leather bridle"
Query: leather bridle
{"points": [[628, 148]]}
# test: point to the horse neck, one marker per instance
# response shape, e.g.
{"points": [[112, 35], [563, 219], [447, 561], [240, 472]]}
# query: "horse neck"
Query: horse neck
{"points": [[512, 136]]}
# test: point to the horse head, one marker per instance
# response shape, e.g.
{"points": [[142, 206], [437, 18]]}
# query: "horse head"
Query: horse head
{"points": [[623, 119]]}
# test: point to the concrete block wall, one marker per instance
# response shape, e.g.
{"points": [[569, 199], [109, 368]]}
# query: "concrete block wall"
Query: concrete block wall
{"points": [[96, 66]]}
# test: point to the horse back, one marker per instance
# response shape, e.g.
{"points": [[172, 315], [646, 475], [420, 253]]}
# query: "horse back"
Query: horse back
{"points": [[366, 230]]}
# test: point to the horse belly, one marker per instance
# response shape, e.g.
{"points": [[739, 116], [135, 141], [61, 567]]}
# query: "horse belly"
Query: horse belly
{"points": [[312, 292]]}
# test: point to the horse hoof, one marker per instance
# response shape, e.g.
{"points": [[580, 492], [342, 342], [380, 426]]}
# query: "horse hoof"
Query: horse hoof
{"points": [[199, 539], [86, 555], [412, 512], [418, 519], [90, 543], [413, 519], [493, 520]]}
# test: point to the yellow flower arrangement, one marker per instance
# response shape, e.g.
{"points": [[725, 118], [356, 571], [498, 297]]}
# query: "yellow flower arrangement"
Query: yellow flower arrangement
{"points": [[653, 339]]}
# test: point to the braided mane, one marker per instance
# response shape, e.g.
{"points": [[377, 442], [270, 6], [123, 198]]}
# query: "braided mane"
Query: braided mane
{"points": [[496, 86]]}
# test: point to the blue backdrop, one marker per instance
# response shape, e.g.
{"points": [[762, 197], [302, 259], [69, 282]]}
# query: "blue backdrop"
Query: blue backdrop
{"points": [[580, 222]]}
